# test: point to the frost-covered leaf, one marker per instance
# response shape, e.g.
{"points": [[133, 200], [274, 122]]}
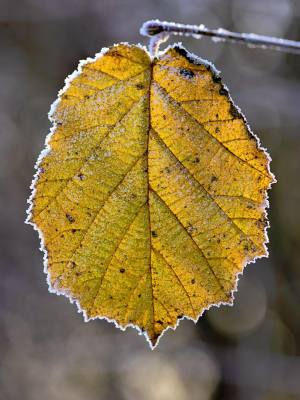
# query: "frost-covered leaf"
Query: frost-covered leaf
{"points": [[150, 196]]}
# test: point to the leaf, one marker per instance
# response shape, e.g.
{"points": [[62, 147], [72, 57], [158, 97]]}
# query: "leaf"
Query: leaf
{"points": [[150, 196]]}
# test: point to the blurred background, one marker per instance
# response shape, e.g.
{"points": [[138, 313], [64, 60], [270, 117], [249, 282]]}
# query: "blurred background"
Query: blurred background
{"points": [[249, 351]]}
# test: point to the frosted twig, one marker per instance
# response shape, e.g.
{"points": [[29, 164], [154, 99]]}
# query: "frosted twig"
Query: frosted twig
{"points": [[155, 27]]}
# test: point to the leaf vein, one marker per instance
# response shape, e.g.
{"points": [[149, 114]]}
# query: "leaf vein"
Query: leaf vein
{"points": [[202, 125]]}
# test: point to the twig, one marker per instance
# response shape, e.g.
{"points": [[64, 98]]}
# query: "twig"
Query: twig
{"points": [[156, 27]]}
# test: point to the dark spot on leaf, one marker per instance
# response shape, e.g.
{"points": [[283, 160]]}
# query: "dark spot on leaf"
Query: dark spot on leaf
{"points": [[73, 264], [154, 234], [217, 130], [197, 159], [159, 322], [70, 218], [164, 117], [139, 295], [81, 176], [216, 78], [213, 179], [193, 281], [187, 73], [122, 270], [139, 86], [74, 230], [223, 91], [234, 111], [191, 228], [179, 316], [86, 96]]}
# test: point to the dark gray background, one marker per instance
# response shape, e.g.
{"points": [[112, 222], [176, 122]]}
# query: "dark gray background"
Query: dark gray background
{"points": [[250, 351]]}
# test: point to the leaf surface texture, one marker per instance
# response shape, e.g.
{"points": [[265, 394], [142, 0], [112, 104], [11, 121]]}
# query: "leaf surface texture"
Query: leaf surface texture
{"points": [[151, 195]]}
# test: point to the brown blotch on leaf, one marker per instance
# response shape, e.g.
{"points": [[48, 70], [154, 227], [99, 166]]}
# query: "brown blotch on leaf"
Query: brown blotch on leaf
{"points": [[216, 78], [70, 218], [187, 73], [234, 111], [223, 91]]}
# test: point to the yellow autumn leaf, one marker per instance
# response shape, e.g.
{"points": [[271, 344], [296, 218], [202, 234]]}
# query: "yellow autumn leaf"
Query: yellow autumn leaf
{"points": [[150, 196]]}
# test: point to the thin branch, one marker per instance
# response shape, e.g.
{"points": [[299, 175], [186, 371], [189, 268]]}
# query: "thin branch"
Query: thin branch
{"points": [[156, 27]]}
